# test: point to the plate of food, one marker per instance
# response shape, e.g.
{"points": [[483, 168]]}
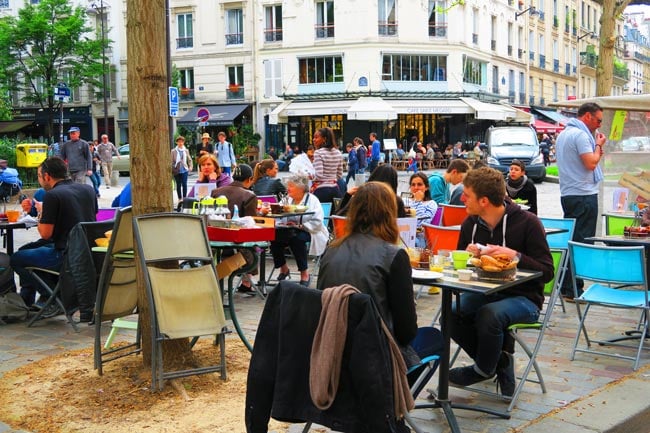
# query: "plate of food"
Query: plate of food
{"points": [[495, 268], [422, 274]]}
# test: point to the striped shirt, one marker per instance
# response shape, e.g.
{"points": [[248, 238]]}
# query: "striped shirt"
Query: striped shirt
{"points": [[328, 166]]}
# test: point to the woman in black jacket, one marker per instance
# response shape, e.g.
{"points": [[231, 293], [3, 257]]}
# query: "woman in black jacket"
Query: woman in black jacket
{"points": [[265, 181]]}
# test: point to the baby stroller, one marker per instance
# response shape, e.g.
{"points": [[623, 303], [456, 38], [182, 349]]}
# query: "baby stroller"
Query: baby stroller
{"points": [[10, 183]]}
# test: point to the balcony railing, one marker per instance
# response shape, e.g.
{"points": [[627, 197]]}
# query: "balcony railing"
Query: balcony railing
{"points": [[542, 101], [475, 38], [185, 42], [272, 35], [531, 100], [324, 31], [556, 21], [520, 53], [542, 61], [622, 73], [234, 38], [531, 56], [541, 15], [567, 69], [522, 97], [495, 89], [556, 65], [186, 94], [510, 50], [438, 30], [493, 45], [235, 92], [588, 59], [566, 28], [386, 28], [511, 96]]}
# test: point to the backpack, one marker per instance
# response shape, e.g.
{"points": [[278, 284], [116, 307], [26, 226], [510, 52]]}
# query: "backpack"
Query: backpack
{"points": [[10, 184], [12, 306], [362, 157]]}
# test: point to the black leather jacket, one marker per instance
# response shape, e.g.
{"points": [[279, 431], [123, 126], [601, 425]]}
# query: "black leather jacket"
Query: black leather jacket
{"points": [[380, 269]]}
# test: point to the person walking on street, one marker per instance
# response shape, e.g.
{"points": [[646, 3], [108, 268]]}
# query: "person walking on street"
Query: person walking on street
{"points": [[76, 152], [180, 154], [579, 149], [106, 149], [205, 146], [225, 154], [375, 146]]}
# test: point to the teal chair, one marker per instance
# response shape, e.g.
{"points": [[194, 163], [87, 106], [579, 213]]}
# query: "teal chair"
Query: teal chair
{"points": [[611, 270], [561, 241]]}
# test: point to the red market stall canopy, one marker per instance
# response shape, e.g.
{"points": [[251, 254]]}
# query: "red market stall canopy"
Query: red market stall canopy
{"points": [[545, 127]]}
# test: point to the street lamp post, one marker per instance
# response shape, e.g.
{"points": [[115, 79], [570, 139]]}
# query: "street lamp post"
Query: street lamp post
{"points": [[100, 11]]}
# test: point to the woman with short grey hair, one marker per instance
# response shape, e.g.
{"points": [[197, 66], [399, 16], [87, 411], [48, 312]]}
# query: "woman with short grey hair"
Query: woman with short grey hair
{"points": [[295, 232]]}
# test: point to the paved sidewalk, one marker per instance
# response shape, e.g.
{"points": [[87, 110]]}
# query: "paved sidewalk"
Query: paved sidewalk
{"points": [[591, 394]]}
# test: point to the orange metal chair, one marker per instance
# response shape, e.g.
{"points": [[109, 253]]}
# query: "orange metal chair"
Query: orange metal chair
{"points": [[452, 215], [440, 237], [338, 225]]}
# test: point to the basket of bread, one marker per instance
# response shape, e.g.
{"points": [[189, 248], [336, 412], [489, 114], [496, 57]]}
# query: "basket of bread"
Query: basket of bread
{"points": [[499, 267]]}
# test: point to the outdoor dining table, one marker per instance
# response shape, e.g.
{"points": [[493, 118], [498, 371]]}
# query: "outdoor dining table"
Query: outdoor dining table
{"points": [[450, 284], [253, 247], [8, 228]]}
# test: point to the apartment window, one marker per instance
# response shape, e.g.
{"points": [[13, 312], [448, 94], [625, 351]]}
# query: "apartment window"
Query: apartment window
{"points": [[187, 84], [555, 92], [437, 18], [522, 88], [234, 27], [315, 70], [272, 78], [324, 19], [493, 25], [387, 19], [235, 82], [475, 25], [273, 23], [473, 71], [185, 31], [4, 4], [397, 67]]}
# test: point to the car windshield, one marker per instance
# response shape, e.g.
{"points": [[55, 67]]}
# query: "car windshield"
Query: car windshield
{"points": [[513, 137]]}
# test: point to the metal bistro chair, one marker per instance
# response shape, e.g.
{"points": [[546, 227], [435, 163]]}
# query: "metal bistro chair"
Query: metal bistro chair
{"points": [[560, 240], [614, 224], [183, 302], [552, 291], [613, 270], [117, 294], [441, 237]]}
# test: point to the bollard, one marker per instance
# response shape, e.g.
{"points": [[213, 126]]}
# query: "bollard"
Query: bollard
{"points": [[115, 177]]}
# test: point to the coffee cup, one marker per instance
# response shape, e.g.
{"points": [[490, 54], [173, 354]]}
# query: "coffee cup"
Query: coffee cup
{"points": [[460, 258]]}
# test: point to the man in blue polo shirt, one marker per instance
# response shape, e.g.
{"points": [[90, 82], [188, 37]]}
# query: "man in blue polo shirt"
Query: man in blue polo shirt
{"points": [[375, 154]]}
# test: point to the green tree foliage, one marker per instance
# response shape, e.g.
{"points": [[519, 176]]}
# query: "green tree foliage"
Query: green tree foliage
{"points": [[48, 43]]}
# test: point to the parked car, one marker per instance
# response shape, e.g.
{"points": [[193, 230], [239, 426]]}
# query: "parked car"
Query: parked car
{"points": [[505, 143], [122, 164]]}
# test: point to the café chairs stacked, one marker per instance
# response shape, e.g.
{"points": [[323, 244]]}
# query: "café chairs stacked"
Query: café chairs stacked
{"points": [[117, 293], [614, 273], [183, 301]]}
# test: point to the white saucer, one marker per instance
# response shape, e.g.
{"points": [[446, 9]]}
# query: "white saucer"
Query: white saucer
{"points": [[422, 274]]}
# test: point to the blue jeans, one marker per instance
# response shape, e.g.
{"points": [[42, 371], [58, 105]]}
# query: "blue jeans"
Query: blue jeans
{"points": [[480, 327], [372, 165], [45, 256]]}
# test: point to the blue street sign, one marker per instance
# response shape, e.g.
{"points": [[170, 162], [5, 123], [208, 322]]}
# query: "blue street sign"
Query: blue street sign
{"points": [[61, 91], [173, 101]]}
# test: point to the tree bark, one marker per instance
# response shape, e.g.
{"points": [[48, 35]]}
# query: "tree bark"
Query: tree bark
{"points": [[607, 42], [150, 156]]}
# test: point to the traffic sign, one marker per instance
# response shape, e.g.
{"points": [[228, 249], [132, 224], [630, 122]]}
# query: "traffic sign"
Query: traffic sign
{"points": [[173, 101], [202, 114]]}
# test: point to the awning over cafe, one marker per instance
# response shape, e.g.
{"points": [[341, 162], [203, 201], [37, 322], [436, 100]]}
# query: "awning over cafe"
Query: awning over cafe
{"points": [[622, 102], [545, 127], [220, 115], [371, 108], [554, 116], [485, 110], [13, 125]]}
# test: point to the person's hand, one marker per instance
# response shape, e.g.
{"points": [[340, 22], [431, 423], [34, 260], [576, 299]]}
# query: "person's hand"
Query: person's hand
{"points": [[600, 139], [234, 165], [38, 205], [353, 190], [492, 250], [418, 195], [26, 205], [213, 176]]}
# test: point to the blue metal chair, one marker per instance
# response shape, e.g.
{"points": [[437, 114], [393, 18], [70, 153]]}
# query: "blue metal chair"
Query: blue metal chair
{"points": [[613, 270], [560, 241]]}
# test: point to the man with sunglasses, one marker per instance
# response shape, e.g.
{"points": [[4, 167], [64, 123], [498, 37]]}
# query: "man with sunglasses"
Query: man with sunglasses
{"points": [[579, 149]]}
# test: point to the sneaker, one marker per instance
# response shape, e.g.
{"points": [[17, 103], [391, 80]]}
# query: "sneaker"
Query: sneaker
{"points": [[506, 374], [434, 290], [52, 310], [466, 376]]}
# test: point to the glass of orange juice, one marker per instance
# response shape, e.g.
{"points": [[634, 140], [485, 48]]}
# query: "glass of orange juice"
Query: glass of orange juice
{"points": [[436, 263]]}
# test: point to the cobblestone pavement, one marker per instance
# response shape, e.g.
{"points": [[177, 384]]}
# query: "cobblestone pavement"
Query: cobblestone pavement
{"points": [[566, 380]]}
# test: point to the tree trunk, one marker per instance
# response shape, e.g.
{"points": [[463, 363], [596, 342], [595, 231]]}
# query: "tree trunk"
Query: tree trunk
{"points": [[607, 41], [150, 156]]}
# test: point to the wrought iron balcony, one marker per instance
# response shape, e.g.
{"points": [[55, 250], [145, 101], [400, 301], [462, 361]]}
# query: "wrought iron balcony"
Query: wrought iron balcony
{"points": [[234, 39], [185, 42], [386, 28], [272, 35], [438, 30], [324, 31], [235, 91]]}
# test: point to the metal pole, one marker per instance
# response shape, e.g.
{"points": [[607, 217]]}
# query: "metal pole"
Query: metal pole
{"points": [[105, 75], [61, 124], [169, 68]]}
